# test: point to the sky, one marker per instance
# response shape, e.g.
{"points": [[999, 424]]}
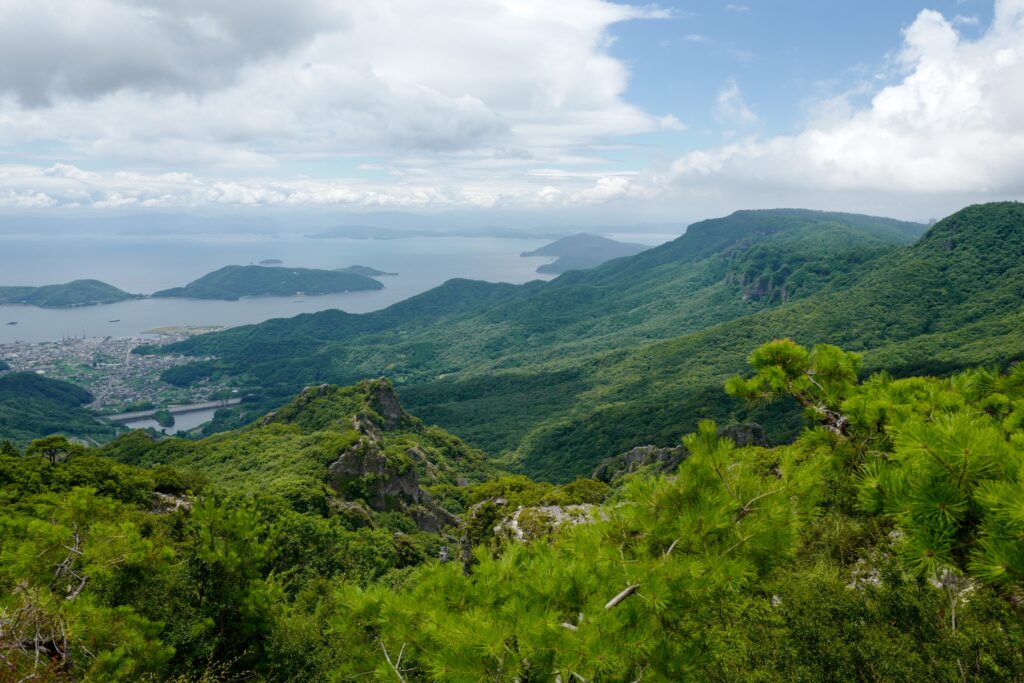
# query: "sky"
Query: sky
{"points": [[576, 111]]}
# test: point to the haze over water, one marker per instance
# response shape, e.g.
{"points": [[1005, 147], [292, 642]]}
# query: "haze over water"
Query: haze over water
{"points": [[147, 264]]}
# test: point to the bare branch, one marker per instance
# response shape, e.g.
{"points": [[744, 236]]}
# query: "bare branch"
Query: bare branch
{"points": [[622, 596]]}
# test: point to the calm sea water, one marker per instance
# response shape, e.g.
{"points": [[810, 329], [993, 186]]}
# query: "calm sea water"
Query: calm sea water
{"points": [[146, 264]]}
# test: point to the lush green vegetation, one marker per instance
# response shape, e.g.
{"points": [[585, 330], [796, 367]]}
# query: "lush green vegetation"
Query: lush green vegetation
{"points": [[164, 418], [233, 282], [582, 251], [67, 295], [882, 544], [560, 375], [32, 406]]}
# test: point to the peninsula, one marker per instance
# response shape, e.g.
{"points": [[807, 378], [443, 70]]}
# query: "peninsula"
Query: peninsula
{"points": [[582, 252], [363, 270]]}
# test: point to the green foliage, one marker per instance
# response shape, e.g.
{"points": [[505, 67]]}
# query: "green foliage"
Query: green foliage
{"points": [[798, 562], [233, 282], [561, 375], [32, 406]]}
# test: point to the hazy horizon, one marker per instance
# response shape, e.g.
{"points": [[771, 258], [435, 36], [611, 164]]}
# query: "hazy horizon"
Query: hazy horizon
{"points": [[516, 114]]}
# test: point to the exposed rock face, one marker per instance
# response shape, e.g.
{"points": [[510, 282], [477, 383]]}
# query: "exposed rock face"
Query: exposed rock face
{"points": [[365, 472], [666, 460], [536, 523], [745, 434], [384, 400]]}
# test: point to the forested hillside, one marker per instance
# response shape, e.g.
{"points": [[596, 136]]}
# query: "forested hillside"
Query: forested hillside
{"points": [[492, 362], [32, 406], [882, 544]]}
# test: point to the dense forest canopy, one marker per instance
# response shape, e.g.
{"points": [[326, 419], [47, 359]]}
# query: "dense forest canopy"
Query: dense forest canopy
{"points": [[558, 376], [882, 544]]}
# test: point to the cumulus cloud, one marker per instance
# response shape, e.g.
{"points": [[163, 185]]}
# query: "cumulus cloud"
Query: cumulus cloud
{"points": [[953, 123], [224, 84]]}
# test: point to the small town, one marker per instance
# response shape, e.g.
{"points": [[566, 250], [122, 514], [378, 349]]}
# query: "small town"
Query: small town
{"points": [[118, 379]]}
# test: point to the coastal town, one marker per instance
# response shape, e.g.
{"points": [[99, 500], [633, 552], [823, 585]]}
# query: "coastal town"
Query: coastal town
{"points": [[119, 380]]}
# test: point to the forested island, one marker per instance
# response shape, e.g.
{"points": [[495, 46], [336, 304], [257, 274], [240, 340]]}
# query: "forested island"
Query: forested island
{"points": [[363, 270], [67, 295], [233, 282], [582, 251]]}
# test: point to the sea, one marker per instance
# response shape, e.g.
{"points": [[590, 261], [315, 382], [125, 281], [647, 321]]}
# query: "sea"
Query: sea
{"points": [[144, 264]]}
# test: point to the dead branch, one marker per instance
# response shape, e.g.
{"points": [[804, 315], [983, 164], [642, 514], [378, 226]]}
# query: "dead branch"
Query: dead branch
{"points": [[622, 596]]}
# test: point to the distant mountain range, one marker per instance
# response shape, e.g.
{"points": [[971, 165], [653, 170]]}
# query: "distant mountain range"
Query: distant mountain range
{"points": [[582, 251]]}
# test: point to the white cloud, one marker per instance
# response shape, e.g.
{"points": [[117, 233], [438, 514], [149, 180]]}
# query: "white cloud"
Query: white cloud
{"points": [[731, 107], [953, 124], [228, 85]]}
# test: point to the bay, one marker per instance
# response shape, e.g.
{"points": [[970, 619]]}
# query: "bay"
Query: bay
{"points": [[146, 264]]}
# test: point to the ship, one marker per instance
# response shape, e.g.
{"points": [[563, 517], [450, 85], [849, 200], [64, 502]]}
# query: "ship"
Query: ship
{"points": [[115, 320], [13, 322]]}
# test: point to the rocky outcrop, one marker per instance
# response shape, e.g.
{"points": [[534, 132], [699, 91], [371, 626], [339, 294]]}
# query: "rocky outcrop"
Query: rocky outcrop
{"points": [[666, 460], [662, 459], [537, 523], [385, 482]]}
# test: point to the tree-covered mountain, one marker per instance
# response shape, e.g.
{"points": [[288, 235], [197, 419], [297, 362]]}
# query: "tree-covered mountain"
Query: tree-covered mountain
{"points": [[882, 544], [32, 406], [508, 367], [582, 251], [233, 282], [330, 448], [67, 295]]}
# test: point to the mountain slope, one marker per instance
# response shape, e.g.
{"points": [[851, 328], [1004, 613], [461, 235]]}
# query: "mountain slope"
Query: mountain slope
{"points": [[233, 282], [492, 362], [329, 446], [32, 407], [953, 300]]}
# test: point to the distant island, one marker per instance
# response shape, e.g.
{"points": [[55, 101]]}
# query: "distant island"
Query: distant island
{"points": [[583, 251], [363, 270], [234, 282], [371, 232], [271, 262], [67, 295]]}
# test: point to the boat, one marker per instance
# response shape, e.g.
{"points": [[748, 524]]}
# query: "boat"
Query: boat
{"points": [[115, 320], [13, 322]]}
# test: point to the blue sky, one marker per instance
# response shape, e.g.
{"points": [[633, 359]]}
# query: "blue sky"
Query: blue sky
{"points": [[581, 110]]}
